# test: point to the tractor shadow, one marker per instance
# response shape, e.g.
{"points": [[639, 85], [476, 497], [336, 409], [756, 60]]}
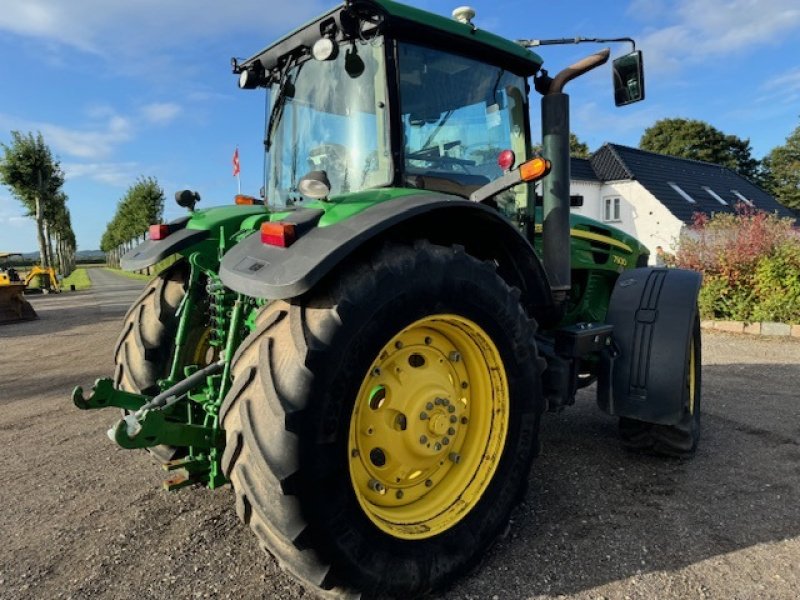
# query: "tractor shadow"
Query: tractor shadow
{"points": [[596, 513]]}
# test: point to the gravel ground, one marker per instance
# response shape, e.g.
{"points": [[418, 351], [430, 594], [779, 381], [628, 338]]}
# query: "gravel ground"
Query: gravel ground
{"points": [[80, 518]]}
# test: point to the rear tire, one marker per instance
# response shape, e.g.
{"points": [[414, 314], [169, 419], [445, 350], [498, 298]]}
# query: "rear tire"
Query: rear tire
{"points": [[297, 418], [678, 440]]}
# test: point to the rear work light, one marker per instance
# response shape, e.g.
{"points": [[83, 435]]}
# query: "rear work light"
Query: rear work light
{"points": [[278, 234], [158, 231]]}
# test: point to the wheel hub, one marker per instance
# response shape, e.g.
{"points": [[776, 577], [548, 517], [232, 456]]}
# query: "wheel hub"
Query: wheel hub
{"points": [[421, 409]]}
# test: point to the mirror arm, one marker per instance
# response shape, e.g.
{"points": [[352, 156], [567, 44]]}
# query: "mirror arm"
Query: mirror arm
{"points": [[576, 40]]}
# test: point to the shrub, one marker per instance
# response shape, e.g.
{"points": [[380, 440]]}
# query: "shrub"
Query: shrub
{"points": [[750, 262]]}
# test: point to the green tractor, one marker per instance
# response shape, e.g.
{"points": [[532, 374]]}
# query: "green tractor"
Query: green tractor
{"points": [[390, 327]]}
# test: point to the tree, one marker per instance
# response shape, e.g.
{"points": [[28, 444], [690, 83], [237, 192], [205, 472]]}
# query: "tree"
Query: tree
{"points": [[141, 206], [783, 167], [577, 149], [35, 179], [697, 140]]}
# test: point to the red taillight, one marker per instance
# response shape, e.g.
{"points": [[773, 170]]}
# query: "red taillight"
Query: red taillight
{"points": [[159, 231], [278, 234], [506, 160]]}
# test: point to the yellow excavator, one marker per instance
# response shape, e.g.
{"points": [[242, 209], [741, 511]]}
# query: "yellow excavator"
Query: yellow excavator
{"points": [[13, 305]]}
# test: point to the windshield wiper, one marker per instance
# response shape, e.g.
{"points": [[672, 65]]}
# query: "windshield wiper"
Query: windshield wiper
{"points": [[280, 101], [442, 121]]}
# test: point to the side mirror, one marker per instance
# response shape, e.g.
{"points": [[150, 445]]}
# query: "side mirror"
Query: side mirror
{"points": [[628, 74]]}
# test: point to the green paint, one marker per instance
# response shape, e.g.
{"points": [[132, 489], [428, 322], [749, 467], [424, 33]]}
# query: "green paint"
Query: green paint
{"points": [[340, 208], [450, 26]]}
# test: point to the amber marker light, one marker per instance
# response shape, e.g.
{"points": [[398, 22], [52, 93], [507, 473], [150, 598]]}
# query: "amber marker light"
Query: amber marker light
{"points": [[241, 199], [278, 234], [158, 231], [534, 169]]}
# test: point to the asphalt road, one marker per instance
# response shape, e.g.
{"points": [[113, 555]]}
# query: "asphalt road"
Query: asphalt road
{"points": [[81, 518]]}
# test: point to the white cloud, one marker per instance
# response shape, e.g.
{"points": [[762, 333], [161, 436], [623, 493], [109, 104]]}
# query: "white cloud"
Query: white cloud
{"points": [[709, 29], [160, 113], [101, 26], [97, 140], [789, 81], [119, 174]]}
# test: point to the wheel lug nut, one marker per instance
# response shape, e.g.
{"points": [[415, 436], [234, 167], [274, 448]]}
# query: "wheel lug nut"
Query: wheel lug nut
{"points": [[376, 486], [428, 341], [376, 372], [464, 420], [428, 483], [437, 446], [398, 494], [454, 357], [438, 401], [451, 431], [398, 345], [423, 415], [446, 441], [354, 453], [451, 409], [429, 406], [453, 418], [464, 385], [423, 439], [455, 457]]}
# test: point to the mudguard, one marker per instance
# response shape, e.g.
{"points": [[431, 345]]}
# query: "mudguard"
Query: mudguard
{"points": [[264, 271], [653, 311], [150, 252]]}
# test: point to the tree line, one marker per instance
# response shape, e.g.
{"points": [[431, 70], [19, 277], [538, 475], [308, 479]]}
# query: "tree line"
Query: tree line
{"points": [[34, 176], [141, 206]]}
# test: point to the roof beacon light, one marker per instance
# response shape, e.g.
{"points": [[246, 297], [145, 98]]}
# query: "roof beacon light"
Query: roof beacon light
{"points": [[464, 14]]}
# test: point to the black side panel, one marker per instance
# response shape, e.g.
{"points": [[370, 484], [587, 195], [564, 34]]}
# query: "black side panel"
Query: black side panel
{"points": [[150, 252], [262, 271], [652, 311]]}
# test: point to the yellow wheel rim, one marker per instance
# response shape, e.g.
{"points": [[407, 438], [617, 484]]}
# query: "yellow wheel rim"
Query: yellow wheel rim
{"points": [[202, 351], [428, 427]]}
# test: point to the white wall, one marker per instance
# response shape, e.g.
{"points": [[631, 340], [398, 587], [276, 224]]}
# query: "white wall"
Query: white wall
{"points": [[641, 215]]}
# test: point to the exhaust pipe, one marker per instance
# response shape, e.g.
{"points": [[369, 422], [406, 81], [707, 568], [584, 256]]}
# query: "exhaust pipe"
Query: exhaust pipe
{"points": [[555, 187]]}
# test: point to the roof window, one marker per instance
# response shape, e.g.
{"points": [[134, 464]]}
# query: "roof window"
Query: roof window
{"points": [[683, 194], [714, 195], [741, 197]]}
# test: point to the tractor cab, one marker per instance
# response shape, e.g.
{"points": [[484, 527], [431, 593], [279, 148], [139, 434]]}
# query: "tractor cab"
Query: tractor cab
{"points": [[358, 99]]}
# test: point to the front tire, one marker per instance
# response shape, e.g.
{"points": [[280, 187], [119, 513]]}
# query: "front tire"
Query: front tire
{"points": [[679, 440], [334, 465]]}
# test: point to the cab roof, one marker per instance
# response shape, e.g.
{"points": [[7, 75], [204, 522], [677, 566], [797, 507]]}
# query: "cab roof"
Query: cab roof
{"points": [[405, 23]]}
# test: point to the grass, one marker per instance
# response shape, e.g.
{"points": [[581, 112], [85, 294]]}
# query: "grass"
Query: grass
{"points": [[154, 270], [79, 278]]}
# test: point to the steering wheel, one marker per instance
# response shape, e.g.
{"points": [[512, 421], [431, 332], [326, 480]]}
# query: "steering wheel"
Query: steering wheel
{"points": [[432, 154]]}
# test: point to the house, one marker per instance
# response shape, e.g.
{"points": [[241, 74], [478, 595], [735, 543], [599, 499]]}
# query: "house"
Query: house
{"points": [[653, 196]]}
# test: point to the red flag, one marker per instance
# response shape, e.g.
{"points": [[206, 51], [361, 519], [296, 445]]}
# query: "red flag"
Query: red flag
{"points": [[236, 162]]}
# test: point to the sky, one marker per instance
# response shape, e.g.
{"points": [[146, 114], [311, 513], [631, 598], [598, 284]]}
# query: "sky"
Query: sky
{"points": [[123, 89]]}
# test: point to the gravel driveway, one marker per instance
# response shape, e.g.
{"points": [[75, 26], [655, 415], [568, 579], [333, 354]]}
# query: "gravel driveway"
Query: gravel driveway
{"points": [[81, 518]]}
